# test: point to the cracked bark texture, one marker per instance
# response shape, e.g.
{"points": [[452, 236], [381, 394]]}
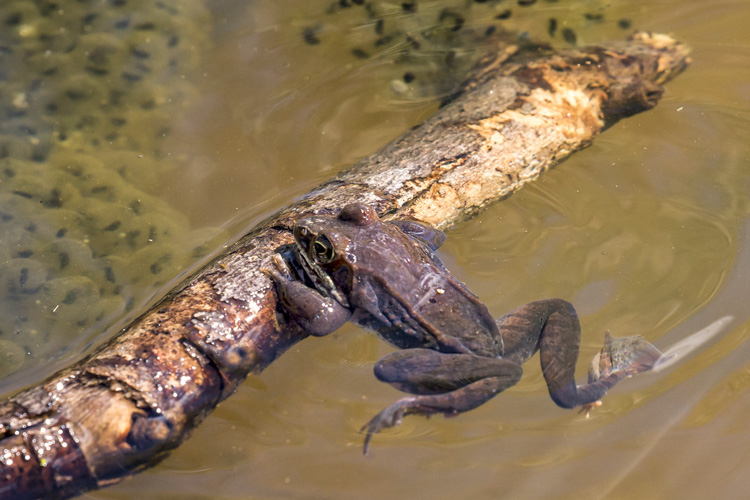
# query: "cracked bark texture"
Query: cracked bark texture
{"points": [[124, 407]]}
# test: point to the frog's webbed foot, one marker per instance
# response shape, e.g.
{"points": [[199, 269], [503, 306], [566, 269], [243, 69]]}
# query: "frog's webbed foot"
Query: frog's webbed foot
{"points": [[625, 355], [390, 417], [619, 358]]}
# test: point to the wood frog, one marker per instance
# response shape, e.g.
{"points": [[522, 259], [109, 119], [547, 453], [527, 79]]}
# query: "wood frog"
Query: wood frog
{"points": [[454, 356]]}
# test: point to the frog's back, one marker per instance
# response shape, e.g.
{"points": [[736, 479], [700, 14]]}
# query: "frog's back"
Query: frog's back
{"points": [[419, 303]]}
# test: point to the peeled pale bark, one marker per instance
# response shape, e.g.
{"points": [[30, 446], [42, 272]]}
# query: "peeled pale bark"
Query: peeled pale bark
{"points": [[124, 407]]}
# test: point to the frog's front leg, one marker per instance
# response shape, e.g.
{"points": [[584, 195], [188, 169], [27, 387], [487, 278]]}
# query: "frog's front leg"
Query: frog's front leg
{"points": [[551, 327], [316, 314], [442, 383]]}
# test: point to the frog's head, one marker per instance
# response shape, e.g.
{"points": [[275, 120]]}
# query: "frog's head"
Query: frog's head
{"points": [[326, 248]]}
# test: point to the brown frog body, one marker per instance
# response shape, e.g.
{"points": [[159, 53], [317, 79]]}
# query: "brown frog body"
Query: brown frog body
{"points": [[385, 277]]}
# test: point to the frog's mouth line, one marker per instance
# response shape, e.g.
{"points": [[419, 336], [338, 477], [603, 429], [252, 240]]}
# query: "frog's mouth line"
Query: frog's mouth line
{"points": [[318, 277]]}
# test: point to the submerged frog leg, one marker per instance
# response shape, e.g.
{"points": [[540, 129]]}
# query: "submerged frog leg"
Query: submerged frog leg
{"points": [[316, 314], [443, 383], [551, 327]]}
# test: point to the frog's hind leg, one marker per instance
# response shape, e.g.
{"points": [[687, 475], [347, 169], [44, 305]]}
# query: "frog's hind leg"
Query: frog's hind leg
{"points": [[424, 371], [552, 327], [442, 383]]}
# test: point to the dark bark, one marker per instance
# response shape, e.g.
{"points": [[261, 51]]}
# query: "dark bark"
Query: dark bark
{"points": [[123, 408]]}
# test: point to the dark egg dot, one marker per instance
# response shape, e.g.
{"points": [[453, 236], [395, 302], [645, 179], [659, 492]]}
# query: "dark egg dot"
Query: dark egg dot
{"points": [[592, 16], [450, 57], [89, 18], [504, 14], [135, 206], [113, 226], [130, 77], [624, 23], [409, 77], [140, 54], [14, 19], [132, 238], [379, 26], [458, 20], [54, 199], [552, 26], [359, 53], [70, 297], [526, 3], [75, 94], [569, 36], [409, 6], [97, 71], [310, 36], [383, 40], [490, 30]]}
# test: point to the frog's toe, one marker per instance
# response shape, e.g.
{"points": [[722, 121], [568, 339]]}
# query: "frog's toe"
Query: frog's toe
{"points": [[590, 406], [390, 417]]}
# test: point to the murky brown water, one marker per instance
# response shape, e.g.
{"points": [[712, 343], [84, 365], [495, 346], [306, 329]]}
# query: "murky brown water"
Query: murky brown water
{"points": [[647, 231]]}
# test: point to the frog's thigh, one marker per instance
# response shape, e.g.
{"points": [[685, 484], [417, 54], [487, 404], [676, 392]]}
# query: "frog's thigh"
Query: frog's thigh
{"points": [[424, 371]]}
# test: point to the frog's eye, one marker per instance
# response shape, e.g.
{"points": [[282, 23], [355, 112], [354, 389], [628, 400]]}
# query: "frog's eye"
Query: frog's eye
{"points": [[323, 249]]}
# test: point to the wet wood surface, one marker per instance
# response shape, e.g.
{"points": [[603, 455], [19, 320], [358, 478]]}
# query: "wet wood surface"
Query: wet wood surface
{"points": [[123, 408]]}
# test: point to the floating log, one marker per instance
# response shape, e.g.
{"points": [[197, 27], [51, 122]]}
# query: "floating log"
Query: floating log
{"points": [[121, 409]]}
